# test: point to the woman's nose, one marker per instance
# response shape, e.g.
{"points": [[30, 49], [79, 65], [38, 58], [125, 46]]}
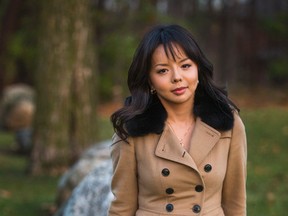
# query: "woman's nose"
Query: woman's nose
{"points": [[176, 76]]}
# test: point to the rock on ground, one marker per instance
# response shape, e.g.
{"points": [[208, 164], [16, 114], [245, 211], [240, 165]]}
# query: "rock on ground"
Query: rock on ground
{"points": [[90, 181]]}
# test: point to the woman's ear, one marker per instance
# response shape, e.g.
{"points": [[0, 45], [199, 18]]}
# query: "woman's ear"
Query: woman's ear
{"points": [[152, 89]]}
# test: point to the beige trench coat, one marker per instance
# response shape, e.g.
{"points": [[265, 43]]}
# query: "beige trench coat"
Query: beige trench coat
{"points": [[154, 175]]}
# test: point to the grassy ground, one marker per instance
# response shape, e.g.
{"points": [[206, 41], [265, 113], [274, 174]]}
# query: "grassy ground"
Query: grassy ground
{"points": [[19, 193], [267, 132], [267, 188], [25, 195]]}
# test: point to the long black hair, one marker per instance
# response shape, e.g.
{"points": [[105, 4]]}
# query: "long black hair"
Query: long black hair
{"points": [[143, 112]]}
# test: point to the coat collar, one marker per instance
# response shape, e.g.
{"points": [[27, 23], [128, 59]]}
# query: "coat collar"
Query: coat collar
{"points": [[203, 140]]}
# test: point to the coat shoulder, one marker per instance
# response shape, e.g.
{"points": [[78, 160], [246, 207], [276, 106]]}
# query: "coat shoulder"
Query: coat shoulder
{"points": [[238, 123]]}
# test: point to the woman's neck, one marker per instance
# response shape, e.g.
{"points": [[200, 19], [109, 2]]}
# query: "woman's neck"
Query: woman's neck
{"points": [[180, 114], [180, 119]]}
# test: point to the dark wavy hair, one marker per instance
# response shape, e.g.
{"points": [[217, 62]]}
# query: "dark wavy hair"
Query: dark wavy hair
{"points": [[210, 102]]}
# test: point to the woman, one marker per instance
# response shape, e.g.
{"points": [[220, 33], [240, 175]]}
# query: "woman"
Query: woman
{"points": [[180, 145]]}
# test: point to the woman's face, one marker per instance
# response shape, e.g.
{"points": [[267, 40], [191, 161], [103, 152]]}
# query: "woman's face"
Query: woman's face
{"points": [[175, 81]]}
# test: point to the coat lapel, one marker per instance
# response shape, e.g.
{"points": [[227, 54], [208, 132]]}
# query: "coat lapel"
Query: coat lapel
{"points": [[202, 141], [169, 148]]}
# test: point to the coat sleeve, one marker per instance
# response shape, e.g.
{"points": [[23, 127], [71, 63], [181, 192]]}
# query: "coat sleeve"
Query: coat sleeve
{"points": [[234, 186], [124, 180]]}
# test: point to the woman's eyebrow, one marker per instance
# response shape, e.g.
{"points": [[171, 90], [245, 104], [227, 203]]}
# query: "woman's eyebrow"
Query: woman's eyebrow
{"points": [[166, 64], [182, 60], [160, 64]]}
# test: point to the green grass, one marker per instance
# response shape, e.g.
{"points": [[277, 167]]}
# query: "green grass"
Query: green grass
{"points": [[267, 188], [21, 194]]}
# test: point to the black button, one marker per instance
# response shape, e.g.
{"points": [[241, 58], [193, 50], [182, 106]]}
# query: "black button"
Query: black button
{"points": [[165, 172], [199, 188], [169, 190], [207, 168], [169, 207], [196, 208]]}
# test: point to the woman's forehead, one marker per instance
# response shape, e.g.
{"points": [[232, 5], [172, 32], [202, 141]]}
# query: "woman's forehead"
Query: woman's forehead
{"points": [[170, 51]]}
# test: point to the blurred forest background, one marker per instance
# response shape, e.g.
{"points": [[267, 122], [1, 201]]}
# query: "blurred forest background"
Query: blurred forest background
{"points": [[66, 62]]}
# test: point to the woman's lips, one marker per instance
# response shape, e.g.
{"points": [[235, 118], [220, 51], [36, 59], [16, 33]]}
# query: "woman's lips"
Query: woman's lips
{"points": [[179, 91]]}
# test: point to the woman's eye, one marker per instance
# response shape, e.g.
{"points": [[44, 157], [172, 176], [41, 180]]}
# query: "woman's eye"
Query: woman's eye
{"points": [[161, 71], [185, 66]]}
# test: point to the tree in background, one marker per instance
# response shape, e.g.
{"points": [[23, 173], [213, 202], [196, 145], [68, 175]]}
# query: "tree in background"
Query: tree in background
{"points": [[245, 39], [8, 25], [65, 118]]}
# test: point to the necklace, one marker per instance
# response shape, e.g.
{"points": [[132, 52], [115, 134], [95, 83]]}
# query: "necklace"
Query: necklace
{"points": [[181, 140]]}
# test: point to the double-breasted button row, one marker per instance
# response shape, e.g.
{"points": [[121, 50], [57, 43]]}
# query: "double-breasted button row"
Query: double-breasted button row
{"points": [[196, 208], [166, 172], [199, 188]]}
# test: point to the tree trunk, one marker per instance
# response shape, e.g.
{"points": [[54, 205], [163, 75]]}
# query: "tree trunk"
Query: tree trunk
{"points": [[7, 27], [65, 115], [226, 60]]}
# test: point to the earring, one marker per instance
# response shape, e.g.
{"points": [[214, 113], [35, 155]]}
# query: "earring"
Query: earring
{"points": [[152, 91]]}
